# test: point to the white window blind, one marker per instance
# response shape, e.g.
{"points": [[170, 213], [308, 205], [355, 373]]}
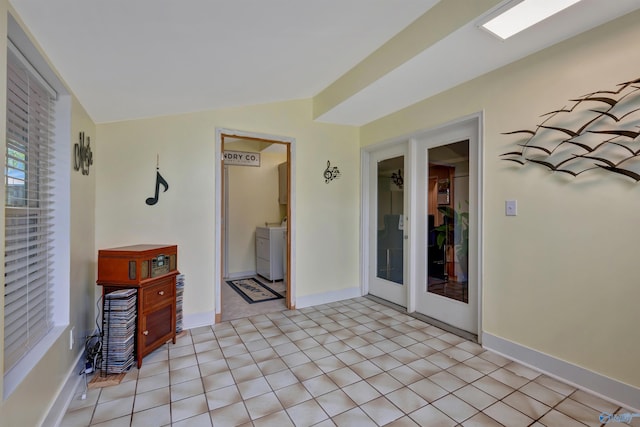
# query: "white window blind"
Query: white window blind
{"points": [[28, 210]]}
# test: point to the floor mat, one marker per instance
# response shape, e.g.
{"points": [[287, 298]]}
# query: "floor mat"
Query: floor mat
{"points": [[253, 291]]}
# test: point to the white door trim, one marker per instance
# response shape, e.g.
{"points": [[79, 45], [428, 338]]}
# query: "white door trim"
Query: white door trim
{"points": [[217, 277], [364, 220]]}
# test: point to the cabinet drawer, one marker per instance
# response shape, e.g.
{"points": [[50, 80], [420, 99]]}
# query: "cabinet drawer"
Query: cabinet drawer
{"points": [[158, 294], [262, 248]]}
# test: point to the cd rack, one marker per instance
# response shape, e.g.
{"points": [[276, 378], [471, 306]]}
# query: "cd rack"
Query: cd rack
{"points": [[119, 327], [179, 295]]}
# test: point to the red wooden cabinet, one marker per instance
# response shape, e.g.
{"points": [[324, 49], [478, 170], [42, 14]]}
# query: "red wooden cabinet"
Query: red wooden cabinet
{"points": [[152, 270]]}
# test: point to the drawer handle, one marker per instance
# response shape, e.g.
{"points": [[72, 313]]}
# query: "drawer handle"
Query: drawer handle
{"points": [[145, 333], [161, 293]]}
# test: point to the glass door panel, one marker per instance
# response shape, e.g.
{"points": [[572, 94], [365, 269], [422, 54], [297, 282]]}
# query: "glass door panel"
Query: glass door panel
{"points": [[390, 215], [448, 221]]}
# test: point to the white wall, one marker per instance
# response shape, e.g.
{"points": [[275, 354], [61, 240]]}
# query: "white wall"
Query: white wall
{"points": [[327, 214]]}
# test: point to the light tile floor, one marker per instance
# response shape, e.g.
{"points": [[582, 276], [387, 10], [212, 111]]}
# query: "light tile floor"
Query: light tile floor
{"points": [[349, 363]]}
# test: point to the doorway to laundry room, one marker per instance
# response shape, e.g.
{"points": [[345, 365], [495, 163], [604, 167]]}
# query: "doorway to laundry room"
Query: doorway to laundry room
{"points": [[254, 226]]}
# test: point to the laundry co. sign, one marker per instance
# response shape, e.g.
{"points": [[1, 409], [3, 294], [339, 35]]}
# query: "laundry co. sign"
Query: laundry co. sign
{"points": [[241, 158]]}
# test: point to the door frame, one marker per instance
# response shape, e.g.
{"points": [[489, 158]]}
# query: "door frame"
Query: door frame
{"points": [[221, 133], [476, 121]]}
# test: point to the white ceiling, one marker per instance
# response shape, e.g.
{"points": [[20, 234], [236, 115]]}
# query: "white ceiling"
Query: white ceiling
{"points": [[128, 59]]}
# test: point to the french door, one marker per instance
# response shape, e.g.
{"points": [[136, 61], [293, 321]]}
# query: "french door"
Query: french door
{"points": [[446, 203], [387, 228], [431, 264]]}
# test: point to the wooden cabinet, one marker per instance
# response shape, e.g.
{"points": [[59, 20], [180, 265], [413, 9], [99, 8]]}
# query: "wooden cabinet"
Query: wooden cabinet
{"points": [[283, 183], [157, 314], [152, 270], [270, 243]]}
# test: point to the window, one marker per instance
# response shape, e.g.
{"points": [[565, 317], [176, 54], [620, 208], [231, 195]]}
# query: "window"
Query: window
{"points": [[29, 168]]}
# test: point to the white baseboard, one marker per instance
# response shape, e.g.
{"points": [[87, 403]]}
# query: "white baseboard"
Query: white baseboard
{"points": [[240, 275], [190, 321], [607, 388], [65, 396], [327, 297]]}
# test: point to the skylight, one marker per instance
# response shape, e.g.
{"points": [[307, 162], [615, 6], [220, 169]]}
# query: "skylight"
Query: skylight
{"points": [[523, 15]]}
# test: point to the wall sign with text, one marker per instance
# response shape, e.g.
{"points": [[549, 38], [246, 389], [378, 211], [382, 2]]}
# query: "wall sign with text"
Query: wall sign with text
{"points": [[241, 158]]}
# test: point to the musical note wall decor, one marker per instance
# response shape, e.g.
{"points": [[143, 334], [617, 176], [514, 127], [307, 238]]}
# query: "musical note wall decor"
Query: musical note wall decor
{"points": [[82, 155], [597, 131], [159, 181], [331, 173]]}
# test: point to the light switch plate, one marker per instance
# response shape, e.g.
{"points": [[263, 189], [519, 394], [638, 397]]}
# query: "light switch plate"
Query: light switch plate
{"points": [[511, 207]]}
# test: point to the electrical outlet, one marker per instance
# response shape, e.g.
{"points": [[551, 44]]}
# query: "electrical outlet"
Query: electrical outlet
{"points": [[71, 338]]}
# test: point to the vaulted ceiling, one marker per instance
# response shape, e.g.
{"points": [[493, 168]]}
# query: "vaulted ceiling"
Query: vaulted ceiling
{"points": [[359, 59]]}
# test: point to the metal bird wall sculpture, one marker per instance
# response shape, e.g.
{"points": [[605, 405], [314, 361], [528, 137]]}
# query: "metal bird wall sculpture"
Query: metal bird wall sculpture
{"points": [[598, 131]]}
